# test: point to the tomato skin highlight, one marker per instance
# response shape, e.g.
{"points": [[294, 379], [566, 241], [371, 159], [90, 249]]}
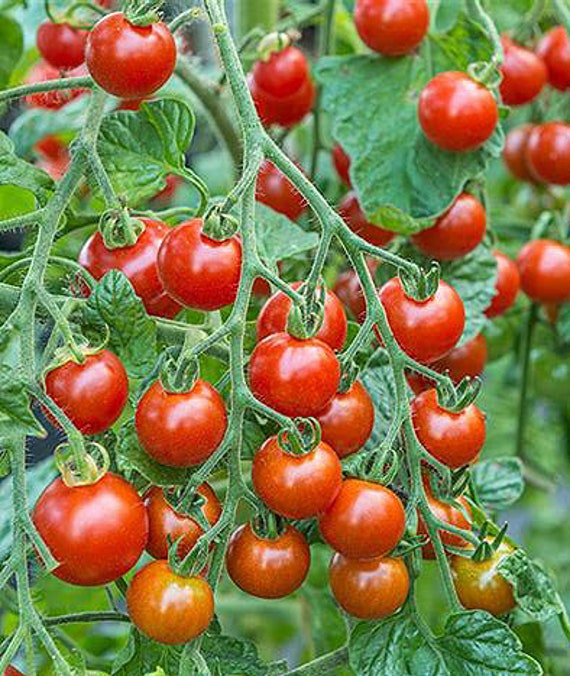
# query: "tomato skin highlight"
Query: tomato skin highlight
{"points": [[168, 608], [554, 50], [268, 568], [197, 271], [341, 163], [391, 27], [181, 430], [507, 285], [448, 514], [366, 520], [544, 266], [514, 153], [96, 532], [524, 74], [61, 45], [350, 210], [275, 190], [283, 74], [130, 61], [548, 153]]}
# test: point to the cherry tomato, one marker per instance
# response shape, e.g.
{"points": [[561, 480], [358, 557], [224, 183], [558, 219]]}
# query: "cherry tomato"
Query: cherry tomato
{"points": [[55, 167], [350, 210], [181, 430], [92, 394], [42, 72], [284, 111], [364, 521], [514, 154], [12, 671], [283, 74], [548, 153], [130, 61], [448, 514], [524, 74], [349, 291], [369, 589], [96, 532], [138, 263], [347, 422], [456, 112], [198, 271], [276, 191], [391, 27], [294, 377], [455, 439], [165, 522], [274, 314], [265, 567], [167, 607], [554, 50], [544, 266], [342, 164], [167, 193], [506, 287], [61, 45], [479, 585], [425, 330]]}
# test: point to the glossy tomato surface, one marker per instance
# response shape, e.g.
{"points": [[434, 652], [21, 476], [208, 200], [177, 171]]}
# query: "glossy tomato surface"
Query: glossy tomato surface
{"points": [[514, 153], [341, 163], [276, 191], [391, 27], [53, 100], [284, 111], [548, 153], [506, 287], [61, 45], [448, 514], [283, 73], [524, 74], [544, 267], [554, 50], [350, 210]]}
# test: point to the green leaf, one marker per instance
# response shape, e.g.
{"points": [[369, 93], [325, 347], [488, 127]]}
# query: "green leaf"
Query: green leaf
{"points": [[563, 323], [141, 656], [15, 413], [12, 41], [278, 238], [499, 482], [236, 657]]}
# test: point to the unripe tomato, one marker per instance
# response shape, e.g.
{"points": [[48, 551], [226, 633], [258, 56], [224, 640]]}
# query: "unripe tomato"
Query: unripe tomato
{"points": [[456, 112], [514, 153], [92, 394], [284, 111], [544, 266], [365, 520], [165, 522], [295, 377], [96, 532], [506, 287], [350, 210], [130, 61], [455, 439], [265, 567], [554, 50], [283, 74], [43, 72], [167, 607], [181, 429], [349, 291], [61, 45], [448, 514], [457, 232], [342, 164], [425, 330], [199, 272], [524, 74], [276, 191], [369, 589], [391, 27], [548, 153]]}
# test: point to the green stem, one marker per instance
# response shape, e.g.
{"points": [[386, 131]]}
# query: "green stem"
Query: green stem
{"points": [[322, 665], [525, 348], [250, 14], [47, 86]]}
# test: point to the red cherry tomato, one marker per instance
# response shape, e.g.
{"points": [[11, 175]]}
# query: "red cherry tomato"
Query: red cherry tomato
{"points": [[342, 164], [425, 330], [460, 230], [514, 154], [55, 168], [294, 377], [284, 111], [61, 45], [138, 263], [130, 61], [548, 153], [96, 532], [92, 394], [455, 439], [12, 671], [347, 422], [51, 147], [283, 74], [364, 521], [265, 567], [276, 191], [165, 522], [350, 210], [42, 72], [554, 50], [369, 589], [167, 607], [198, 271], [349, 291], [274, 314], [524, 74], [457, 113], [448, 514], [167, 193], [391, 27], [506, 286], [181, 430], [544, 266]]}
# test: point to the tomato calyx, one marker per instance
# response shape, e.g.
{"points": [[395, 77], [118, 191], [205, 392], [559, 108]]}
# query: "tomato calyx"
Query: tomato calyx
{"points": [[307, 437], [119, 229], [305, 320], [219, 225], [418, 284], [486, 73], [456, 398], [268, 525], [379, 466], [78, 467], [142, 13], [179, 371], [275, 42], [489, 545]]}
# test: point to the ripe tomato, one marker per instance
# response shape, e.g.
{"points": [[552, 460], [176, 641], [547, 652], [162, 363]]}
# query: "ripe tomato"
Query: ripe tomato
{"points": [[181, 430], [265, 567], [96, 532], [285, 111], [54, 167], [167, 193], [554, 50], [524, 74], [514, 154], [425, 330], [544, 267], [274, 314], [391, 27], [42, 72], [457, 232], [276, 191], [349, 291], [507, 285], [342, 164], [92, 394], [138, 263], [12, 671], [130, 61], [61, 45], [364, 521], [167, 607], [456, 112], [448, 514], [283, 74], [294, 377], [350, 210], [369, 589], [548, 153], [198, 271], [479, 585], [455, 439], [165, 522], [347, 421]]}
